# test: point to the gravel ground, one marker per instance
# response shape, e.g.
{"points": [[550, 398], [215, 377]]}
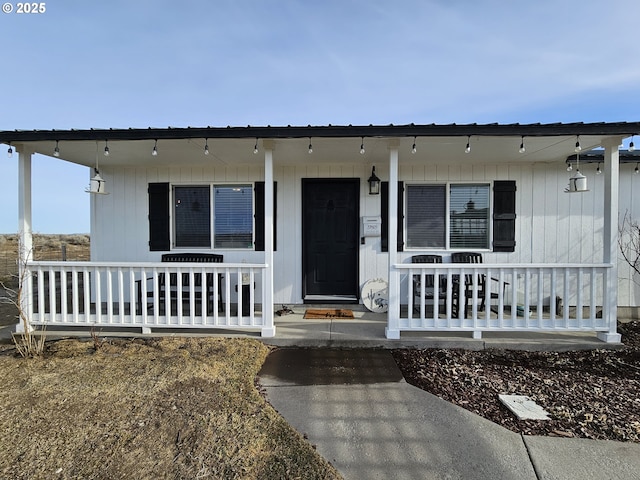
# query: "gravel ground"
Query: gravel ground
{"points": [[589, 394]]}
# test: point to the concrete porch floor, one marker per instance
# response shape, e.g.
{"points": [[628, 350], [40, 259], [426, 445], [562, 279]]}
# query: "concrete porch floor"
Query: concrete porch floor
{"points": [[365, 330]]}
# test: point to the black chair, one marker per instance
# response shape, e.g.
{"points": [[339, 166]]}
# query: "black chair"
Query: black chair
{"points": [[172, 285], [480, 284], [429, 281]]}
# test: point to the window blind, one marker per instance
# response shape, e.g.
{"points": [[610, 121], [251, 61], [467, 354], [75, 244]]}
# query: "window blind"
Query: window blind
{"points": [[193, 216], [233, 216], [425, 216]]}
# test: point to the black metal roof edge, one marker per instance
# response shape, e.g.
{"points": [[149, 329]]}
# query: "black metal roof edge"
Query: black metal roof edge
{"points": [[595, 156], [328, 131]]}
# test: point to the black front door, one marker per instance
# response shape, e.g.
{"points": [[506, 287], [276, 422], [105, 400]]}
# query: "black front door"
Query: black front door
{"points": [[330, 228]]}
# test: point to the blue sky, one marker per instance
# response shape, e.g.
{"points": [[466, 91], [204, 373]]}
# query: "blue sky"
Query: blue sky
{"points": [[139, 63]]}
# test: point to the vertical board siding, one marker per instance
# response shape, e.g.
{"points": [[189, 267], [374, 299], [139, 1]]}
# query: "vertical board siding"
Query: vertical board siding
{"points": [[551, 226]]}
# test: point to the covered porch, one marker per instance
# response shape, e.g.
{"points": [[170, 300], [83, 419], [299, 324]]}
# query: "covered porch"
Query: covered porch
{"points": [[128, 294]]}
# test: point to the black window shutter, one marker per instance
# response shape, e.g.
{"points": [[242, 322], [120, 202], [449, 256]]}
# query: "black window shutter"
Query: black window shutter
{"points": [[259, 216], [159, 217], [384, 214], [504, 216]]}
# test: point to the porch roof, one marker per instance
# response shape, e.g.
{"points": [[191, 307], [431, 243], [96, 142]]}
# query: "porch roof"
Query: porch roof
{"points": [[494, 143]]}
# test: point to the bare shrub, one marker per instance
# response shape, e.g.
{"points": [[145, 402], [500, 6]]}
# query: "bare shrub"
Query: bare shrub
{"points": [[97, 340], [629, 243], [27, 343]]}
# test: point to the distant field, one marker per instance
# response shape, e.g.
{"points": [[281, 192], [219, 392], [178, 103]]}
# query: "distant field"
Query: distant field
{"points": [[45, 247]]}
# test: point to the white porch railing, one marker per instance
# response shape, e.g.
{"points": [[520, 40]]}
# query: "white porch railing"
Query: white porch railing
{"points": [[148, 295], [517, 297]]}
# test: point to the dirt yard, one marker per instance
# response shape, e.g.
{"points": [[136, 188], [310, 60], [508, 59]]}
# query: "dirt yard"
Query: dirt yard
{"points": [[589, 394]]}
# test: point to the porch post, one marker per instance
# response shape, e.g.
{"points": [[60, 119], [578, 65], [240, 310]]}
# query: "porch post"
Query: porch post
{"points": [[393, 313], [268, 328], [610, 240], [25, 237]]}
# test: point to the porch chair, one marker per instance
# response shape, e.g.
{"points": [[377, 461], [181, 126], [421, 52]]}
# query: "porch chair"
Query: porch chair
{"points": [[480, 286], [429, 281], [172, 286]]}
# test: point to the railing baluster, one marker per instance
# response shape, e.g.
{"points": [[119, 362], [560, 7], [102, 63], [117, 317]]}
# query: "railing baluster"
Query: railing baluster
{"points": [[593, 302], [539, 303], [552, 297], [86, 288], [251, 297], [63, 294], [240, 313], [501, 287], [52, 294], [204, 298], [216, 297], [133, 300], [98, 280], [436, 296], [41, 294], [579, 304], [120, 285], [109, 275], [74, 294], [227, 296]]}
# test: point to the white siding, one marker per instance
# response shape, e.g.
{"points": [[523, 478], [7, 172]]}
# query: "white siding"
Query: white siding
{"points": [[552, 226]]}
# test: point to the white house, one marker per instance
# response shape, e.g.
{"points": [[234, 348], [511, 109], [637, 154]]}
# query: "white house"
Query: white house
{"points": [[246, 218]]}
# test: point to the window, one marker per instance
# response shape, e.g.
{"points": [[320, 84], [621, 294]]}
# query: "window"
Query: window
{"points": [[464, 224], [469, 216], [233, 213], [426, 216], [192, 216], [230, 211]]}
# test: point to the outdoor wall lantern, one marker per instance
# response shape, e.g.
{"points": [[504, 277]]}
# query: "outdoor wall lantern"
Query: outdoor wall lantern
{"points": [[374, 183], [577, 183], [97, 184]]}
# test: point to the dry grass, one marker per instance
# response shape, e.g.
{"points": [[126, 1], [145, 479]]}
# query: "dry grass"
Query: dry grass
{"points": [[171, 408]]}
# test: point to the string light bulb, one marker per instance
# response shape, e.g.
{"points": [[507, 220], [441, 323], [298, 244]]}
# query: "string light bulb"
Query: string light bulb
{"points": [[598, 171], [310, 146], [10, 151], [578, 147], [636, 170], [569, 167], [632, 147], [522, 148], [154, 152], [255, 147], [468, 147], [56, 150], [206, 146], [362, 147], [413, 147], [106, 148]]}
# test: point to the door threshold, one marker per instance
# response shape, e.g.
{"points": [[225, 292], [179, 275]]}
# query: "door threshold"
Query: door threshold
{"points": [[346, 299]]}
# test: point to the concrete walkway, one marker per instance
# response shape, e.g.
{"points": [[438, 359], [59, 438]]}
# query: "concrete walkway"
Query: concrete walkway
{"points": [[369, 423]]}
